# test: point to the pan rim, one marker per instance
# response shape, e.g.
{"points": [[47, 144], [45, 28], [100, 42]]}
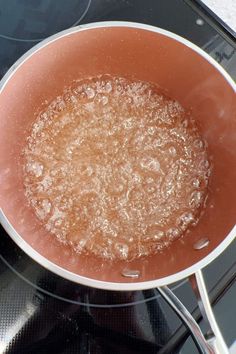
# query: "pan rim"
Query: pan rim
{"points": [[106, 285]]}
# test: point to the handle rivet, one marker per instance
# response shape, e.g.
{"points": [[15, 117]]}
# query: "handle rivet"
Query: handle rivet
{"points": [[202, 243], [128, 273]]}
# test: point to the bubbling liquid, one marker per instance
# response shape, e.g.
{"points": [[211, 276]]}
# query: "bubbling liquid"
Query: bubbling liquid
{"points": [[115, 168]]}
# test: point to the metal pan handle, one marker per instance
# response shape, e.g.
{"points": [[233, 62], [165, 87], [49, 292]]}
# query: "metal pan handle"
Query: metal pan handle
{"points": [[214, 343], [215, 338]]}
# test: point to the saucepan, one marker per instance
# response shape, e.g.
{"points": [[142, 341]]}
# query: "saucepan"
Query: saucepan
{"points": [[189, 75]]}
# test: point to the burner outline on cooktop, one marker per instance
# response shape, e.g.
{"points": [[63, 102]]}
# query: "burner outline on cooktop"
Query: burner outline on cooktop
{"points": [[75, 302], [12, 38]]}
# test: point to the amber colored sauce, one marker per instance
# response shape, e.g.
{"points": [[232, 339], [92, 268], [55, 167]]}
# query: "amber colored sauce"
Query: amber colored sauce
{"points": [[115, 168]]}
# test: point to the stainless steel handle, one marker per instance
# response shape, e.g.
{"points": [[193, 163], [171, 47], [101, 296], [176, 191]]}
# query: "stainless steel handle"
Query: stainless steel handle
{"points": [[214, 344], [187, 318], [216, 340]]}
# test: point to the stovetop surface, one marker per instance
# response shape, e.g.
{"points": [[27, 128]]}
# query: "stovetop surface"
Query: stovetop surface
{"points": [[43, 313]]}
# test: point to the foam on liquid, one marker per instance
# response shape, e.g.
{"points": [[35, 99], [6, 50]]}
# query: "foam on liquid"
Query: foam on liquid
{"points": [[115, 168]]}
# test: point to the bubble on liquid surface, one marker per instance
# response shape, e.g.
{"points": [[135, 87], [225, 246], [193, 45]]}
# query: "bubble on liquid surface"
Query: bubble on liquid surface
{"points": [[104, 100], [115, 168], [173, 233], [46, 205], [35, 168], [150, 163], [122, 250], [198, 143], [90, 92], [43, 208], [196, 199], [172, 150], [108, 87], [196, 183], [185, 220]]}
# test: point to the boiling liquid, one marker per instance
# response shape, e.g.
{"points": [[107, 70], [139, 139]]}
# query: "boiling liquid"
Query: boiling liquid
{"points": [[115, 168]]}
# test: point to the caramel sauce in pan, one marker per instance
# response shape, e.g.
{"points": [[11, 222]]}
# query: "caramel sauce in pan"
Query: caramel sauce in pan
{"points": [[115, 168]]}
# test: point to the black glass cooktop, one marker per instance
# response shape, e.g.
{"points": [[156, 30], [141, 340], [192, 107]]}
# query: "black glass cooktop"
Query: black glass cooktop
{"points": [[43, 313]]}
